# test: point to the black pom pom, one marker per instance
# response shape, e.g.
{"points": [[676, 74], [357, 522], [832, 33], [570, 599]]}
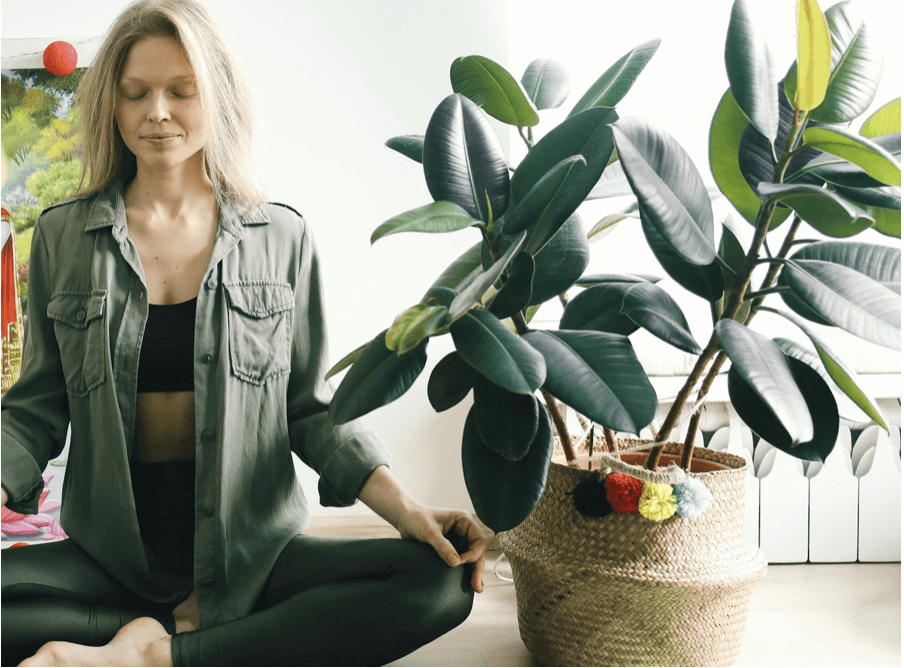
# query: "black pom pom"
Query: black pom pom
{"points": [[590, 498]]}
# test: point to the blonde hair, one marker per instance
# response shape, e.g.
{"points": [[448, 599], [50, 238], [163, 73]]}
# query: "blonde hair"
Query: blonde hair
{"points": [[224, 94]]}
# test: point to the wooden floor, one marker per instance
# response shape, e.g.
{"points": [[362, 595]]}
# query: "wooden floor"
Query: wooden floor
{"points": [[800, 615]]}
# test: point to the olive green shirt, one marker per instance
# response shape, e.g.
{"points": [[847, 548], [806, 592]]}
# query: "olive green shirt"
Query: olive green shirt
{"points": [[260, 355]]}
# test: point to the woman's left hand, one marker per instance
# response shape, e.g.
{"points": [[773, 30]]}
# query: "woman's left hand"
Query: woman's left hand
{"points": [[429, 525]]}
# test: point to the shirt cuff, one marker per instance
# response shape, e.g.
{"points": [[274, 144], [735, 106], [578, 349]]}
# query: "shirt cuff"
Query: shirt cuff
{"points": [[21, 477], [348, 467]]}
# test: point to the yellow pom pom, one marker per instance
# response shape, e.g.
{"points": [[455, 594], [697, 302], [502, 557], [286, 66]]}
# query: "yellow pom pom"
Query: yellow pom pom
{"points": [[657, 502]]}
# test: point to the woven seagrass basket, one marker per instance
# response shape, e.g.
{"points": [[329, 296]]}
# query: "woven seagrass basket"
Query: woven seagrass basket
{"points": [[624, 590]]}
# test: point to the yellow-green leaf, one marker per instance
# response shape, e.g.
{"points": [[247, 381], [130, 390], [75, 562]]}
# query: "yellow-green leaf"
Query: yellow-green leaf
{"points": [[884, 121], [413, 326], [814, 55]]}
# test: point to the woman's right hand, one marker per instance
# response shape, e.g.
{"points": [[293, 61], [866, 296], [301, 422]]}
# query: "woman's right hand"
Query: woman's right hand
{"points": [[5, 497]]}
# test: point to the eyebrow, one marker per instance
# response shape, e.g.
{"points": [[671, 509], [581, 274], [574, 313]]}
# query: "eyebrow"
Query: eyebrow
{"points": [[185, 77]]}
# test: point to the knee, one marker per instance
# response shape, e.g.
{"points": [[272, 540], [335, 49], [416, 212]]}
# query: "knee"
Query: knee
{"points": [[452, 595]]}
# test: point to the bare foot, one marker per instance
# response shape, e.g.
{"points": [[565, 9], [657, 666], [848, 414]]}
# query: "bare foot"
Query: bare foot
{"points": [[186, 614], [141, 642]]}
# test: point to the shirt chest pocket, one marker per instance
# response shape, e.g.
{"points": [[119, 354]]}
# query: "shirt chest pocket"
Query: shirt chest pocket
{"points": [[260, 321], [78, 323]]}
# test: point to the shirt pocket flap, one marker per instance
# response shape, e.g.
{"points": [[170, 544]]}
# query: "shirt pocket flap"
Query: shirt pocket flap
{"points": [[77, 309], [258, 300]]}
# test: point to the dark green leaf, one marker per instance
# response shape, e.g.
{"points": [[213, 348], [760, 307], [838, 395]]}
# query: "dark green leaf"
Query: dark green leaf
{"points": [[435, 217], [652, 308], [496, 352], [516, 291], [706, 282], [732, 249], [725, 134], [880, 263], [491, 87], [549, 203], [616, 81], [472, 292], [600, 308], [586, 134], [856, 68], [345, 362], [751, 73], [450, 381], [461, 271], [504, 492], [596, 279], [764, 367], [598, 375], [820, 407], [378, 377], [411, 146], [826, 211], [613, 183], [507, 422], [886, 197], [463, 160], [560, 262], [441, 296], [547, 83], [847, 299], [844, 377], [668, 188]]}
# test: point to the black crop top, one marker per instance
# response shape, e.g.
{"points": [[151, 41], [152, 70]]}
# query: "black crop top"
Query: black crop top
{"points": [[166, 360]]}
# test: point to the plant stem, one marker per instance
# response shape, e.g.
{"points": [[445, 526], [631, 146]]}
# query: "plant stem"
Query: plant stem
{"points": [[610, 439]]}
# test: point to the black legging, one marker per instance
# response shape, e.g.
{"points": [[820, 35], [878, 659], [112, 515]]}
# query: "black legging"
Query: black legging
{"points": [[328, 602]]}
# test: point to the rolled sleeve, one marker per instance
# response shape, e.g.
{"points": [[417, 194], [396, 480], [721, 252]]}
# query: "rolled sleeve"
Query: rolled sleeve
{"points": [[344, 455]]}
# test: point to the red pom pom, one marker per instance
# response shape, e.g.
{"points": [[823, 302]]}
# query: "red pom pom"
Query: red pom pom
{"points": [[623, 492], [60, 58], [19, 544]]}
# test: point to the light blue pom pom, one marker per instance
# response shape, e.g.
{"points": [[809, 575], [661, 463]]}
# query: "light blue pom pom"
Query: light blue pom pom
{"points": [[693, 498]]}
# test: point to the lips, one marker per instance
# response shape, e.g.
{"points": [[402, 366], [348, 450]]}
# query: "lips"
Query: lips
{"points": [[160, 135]]}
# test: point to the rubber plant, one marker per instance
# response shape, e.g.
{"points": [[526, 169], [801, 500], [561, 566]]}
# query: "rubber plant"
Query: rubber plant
{"points": [[779, 151]]}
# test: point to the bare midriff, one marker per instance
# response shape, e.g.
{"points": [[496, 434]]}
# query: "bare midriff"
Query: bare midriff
{"points": [[164, 426]]}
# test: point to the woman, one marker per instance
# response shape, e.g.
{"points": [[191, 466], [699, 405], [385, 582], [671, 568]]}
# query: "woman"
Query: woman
{"points": [[177, 322]]}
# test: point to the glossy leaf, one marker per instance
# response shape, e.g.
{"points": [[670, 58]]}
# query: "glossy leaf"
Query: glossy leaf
{"points": [[733, 248], [598, 375], [496, 352], [491, 87], [433, 218], [885, 120], [814, 55], [885, 197], [414, 325], [856, 68], [763, 366], [378, 377], [587, 135], [463, 159], [866, 154], [615, 82], [880, 263], [613, 183], [411, 146], [607, 224], [507, 422], [516, 291], [668, 188], [450, 381], [546, 83], [600, 308], [841, 374], [504, 492], [561, 262], [461, 271], [725, 134], [597, 279], [706, 282], [549, 203], [826, 211], [472, 292], [847, 299], [345, 362], [751, 71], [820, 408], [652, 308], [439, 297]]}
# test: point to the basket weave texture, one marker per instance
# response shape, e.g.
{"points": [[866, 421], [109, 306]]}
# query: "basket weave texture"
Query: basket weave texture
{"points": [[624, 590]]}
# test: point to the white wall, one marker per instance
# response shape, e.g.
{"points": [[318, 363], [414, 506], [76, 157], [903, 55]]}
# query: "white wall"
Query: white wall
{"points": [[336, 79]]}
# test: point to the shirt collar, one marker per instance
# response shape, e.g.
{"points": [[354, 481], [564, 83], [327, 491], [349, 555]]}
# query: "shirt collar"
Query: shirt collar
{"points": [[108, 209]]}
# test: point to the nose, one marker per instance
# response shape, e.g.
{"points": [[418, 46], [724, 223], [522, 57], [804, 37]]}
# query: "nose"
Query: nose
{"points": [[158, 109]]}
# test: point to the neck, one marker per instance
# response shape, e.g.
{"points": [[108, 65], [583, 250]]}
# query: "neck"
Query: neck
{"points": [[173, 191]]}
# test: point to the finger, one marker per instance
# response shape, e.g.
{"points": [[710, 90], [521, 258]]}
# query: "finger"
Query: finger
{"points": [[477, 575], [444, 548]]}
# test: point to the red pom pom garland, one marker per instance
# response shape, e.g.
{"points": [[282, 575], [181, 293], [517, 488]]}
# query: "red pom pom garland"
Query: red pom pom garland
{"points": [[60, 58], [623, 492]]}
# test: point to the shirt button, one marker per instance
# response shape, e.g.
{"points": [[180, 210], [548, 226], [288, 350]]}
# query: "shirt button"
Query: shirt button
{"points": [[212, 283], [81, 315], [207, 358], [209, 583], [207, 512], [206, 436], [141, 295]]}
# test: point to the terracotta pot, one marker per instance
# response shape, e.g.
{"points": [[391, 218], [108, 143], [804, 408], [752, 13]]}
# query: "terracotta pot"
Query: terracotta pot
{"points": [[625, 590]]}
